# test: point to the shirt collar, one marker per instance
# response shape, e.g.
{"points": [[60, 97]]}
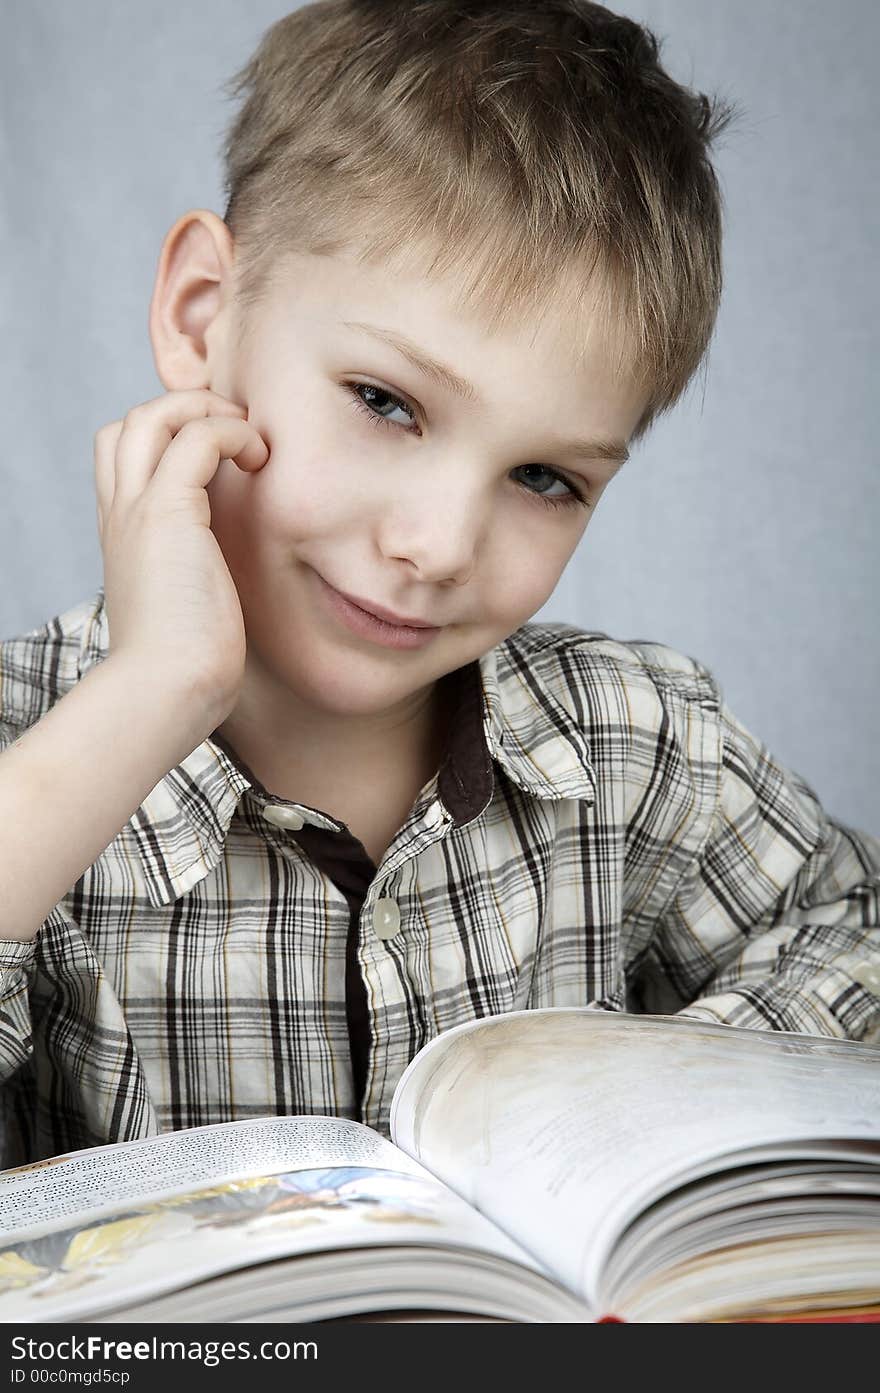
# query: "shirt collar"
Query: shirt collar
{"points": [[503, 711]]}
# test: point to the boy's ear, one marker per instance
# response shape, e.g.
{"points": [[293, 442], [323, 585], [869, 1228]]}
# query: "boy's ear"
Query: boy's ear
{"points": [[192, 285]]}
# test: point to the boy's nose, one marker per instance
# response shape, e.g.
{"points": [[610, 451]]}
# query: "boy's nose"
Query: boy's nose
{"points": [[439, 532]]}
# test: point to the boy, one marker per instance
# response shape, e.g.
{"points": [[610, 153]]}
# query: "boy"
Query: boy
{"points": [[302, 786]]}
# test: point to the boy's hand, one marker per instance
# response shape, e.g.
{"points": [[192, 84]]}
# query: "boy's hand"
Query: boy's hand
{"points": [[172, 605]]}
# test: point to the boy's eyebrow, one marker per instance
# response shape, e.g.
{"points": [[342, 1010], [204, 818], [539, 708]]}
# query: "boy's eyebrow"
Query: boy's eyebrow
{"points": [[613, 451]]}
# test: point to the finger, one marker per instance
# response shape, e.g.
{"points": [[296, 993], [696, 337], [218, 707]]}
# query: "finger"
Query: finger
{"points": [[105, 470], [149, 428], [193, 456]]}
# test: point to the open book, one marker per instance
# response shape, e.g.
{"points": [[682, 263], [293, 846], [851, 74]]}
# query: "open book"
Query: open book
{"points": [[552, 1165]]}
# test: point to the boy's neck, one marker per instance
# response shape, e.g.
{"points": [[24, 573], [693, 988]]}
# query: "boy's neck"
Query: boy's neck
{"points": [[339, 763]]}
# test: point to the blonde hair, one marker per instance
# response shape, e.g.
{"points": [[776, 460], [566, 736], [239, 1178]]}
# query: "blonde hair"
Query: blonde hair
{"points": [[541, 151]]}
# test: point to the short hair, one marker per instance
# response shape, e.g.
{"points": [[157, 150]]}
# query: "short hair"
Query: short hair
{"points": [[540, 150]]}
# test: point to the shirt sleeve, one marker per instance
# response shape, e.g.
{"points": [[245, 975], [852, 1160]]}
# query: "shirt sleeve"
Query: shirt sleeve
{"points": [[777, 924], [16, 1038], [16, 958]]}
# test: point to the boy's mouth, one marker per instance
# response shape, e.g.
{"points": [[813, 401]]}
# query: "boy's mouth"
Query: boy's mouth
{"points": [[388, 616], [374, 621]]}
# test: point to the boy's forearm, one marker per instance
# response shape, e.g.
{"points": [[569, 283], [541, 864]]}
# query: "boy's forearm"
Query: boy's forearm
{"points": [[72, 781]]}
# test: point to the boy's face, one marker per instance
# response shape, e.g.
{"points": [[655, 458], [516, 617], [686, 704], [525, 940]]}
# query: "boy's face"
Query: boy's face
{"points": [[385, 483]]}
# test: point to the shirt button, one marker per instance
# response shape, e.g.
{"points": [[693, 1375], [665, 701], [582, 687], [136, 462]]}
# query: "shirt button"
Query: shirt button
{"points": [[283, 817], [386, 918]]}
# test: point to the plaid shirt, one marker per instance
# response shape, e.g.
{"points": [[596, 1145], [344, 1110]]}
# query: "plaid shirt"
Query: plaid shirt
{"points": [[602, 830]]}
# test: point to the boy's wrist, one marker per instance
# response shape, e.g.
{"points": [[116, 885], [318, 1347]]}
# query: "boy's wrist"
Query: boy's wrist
{"points": [[179, 710]]}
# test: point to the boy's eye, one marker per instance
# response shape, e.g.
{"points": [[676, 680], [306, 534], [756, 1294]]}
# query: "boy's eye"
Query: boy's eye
{"points": [[568, 493], [378, 406], [373, 404]]}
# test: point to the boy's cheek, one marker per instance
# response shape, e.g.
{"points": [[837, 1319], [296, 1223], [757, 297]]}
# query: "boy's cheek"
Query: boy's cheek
{"points": [[288, 500]]}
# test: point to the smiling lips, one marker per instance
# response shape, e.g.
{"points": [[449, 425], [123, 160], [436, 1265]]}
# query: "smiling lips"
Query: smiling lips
{"points": [[376, 623], [388, 615]]}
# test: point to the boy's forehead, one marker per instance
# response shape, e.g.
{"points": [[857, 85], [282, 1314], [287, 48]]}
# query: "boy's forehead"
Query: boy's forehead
{"points": [[564, 330]]}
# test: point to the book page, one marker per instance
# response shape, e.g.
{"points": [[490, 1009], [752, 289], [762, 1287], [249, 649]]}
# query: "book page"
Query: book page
{"points": [[592, 1115], [65, 1188], [182, 1207]]}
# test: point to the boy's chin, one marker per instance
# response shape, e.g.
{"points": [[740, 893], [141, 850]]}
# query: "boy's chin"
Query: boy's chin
{"points": [[353, 684]]}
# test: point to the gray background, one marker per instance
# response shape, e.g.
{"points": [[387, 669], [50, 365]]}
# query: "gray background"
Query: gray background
{"points": [[742, 531]]}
